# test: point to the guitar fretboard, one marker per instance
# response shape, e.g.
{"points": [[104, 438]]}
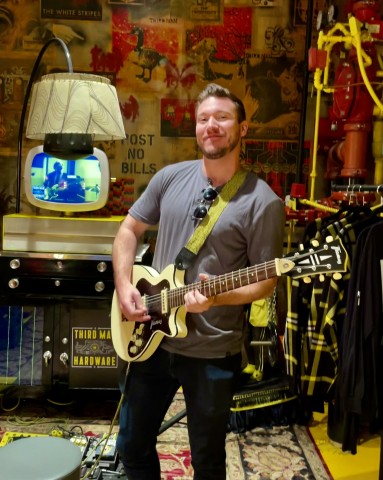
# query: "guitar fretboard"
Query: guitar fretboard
{"points": [[224, 283]]}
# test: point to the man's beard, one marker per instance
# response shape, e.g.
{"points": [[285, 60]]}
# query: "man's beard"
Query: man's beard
{"points": [[220, 152]]}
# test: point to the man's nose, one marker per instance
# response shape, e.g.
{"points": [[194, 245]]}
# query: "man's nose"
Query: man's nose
{"points": [[212, 122]]}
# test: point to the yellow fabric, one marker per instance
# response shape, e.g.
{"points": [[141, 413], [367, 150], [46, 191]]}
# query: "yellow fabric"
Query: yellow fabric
{"points": [[259, 316]]}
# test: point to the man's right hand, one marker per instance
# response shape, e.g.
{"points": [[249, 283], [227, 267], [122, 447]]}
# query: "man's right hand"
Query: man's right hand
{"points": [[132, 306]]}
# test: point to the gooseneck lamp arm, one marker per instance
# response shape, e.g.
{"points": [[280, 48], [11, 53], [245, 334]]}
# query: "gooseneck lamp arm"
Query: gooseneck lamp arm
{"points": [[25, 106]]}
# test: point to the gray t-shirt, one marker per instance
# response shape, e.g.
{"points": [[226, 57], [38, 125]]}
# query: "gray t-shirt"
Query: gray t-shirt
{"points": [[248, 232]]}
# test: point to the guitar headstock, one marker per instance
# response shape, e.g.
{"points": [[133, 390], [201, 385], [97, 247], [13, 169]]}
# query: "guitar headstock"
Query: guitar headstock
{"points": [[319, 259]]}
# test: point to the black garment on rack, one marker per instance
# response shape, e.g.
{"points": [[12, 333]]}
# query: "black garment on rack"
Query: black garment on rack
{"points": [[359, 396]]}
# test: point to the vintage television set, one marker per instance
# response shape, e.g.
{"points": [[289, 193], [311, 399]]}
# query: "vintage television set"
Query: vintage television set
{"points": [[79, 184]]}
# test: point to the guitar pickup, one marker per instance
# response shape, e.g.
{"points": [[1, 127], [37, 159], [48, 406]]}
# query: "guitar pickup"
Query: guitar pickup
{"points": [[164, 301]]}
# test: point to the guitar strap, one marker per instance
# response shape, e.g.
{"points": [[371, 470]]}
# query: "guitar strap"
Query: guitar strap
{"points": [[186, 256]]}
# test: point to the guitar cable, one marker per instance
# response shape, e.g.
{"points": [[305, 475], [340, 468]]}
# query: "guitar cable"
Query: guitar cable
{"points": [[106, 437]]}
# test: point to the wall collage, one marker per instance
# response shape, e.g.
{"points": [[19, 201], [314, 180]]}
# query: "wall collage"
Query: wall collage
{"points": [[159, 54]]}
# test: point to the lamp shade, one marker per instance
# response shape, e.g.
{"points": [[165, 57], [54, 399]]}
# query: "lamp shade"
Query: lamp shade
{"points": [[75, 103]]}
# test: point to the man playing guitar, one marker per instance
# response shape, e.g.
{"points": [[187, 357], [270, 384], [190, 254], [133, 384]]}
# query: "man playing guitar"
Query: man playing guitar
{"points": [[206, 360]]}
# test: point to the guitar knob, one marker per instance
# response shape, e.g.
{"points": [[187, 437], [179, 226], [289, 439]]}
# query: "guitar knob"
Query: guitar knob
{"points": [[139, 342], [133, 349]]}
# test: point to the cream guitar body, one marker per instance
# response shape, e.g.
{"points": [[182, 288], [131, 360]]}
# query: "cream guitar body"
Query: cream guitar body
{"points": [[134, 341]]}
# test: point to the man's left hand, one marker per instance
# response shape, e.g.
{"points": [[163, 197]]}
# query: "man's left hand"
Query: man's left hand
{"points": [[196, 302]]}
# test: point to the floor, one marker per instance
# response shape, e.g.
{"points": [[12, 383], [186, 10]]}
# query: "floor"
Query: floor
{"points": [[341, 465], [364, 465]]}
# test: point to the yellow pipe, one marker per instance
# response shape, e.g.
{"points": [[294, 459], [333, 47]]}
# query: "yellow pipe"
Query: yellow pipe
{"points": [[380, 61], [313, 173], [326, 73], [318, 206], [360, 55], [341, 27]]}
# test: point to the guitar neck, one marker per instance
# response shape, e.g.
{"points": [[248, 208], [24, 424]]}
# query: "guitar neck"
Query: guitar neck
{"points": [[224, 283]]}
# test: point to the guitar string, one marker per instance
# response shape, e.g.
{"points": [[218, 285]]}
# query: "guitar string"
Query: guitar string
{"points": [[212, 283]]}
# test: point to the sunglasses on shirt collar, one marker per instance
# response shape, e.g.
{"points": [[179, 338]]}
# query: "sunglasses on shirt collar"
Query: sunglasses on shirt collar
{"points": [[208, 197]]}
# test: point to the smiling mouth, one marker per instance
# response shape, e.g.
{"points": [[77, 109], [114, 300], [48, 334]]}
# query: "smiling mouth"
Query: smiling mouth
{"points": [[209, 137]]}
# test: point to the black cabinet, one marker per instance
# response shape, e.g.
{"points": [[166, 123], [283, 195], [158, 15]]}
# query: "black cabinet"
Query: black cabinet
{"points": [[42, 276], [55, 320]]}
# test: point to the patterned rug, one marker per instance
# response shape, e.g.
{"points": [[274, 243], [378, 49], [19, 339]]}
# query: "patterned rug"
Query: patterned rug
{"points": [[275, 453]]}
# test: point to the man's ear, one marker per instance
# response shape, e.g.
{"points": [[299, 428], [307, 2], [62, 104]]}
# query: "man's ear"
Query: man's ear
{"points": [[244, 128]]}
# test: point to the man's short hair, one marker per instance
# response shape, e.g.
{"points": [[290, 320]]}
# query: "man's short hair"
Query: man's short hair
{"points": [[214, 90]]}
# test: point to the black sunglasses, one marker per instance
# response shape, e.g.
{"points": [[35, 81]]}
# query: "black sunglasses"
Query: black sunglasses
{"points": [[209, 195]]}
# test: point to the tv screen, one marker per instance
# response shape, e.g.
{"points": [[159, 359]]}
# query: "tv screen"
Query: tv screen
{"points": [[67, 184]]}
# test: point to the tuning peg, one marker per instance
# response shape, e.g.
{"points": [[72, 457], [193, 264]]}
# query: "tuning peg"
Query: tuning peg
{"points": [[307, 279], [337, 276], [315, 243], [321, 277], [301, 246], [329, 239]]}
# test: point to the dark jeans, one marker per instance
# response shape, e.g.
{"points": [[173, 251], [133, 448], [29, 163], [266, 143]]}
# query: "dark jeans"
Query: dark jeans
{"points": [[208, 386]]}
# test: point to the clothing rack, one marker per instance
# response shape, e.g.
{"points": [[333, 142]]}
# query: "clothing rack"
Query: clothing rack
{"points": [[356, 188]]}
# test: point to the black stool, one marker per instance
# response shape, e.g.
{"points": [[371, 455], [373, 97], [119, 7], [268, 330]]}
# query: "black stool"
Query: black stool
{"points": [[40, 458]]}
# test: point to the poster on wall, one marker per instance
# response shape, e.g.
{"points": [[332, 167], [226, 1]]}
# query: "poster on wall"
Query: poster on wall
{"points": [[301, 8], [205, 11], [273, 161], [273, 96], [218, 51], [177, 118], [71, 9]]}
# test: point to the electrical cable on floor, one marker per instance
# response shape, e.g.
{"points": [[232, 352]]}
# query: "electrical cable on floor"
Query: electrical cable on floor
{"points": [[59, 404], [59, 431], [106, 437], [17, 421], [9, 409]]}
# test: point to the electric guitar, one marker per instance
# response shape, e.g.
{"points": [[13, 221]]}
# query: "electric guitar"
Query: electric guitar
{"points": [[163, 295]]}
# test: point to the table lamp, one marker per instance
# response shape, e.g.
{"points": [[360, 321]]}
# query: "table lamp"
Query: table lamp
{"points": [[68, 111]]}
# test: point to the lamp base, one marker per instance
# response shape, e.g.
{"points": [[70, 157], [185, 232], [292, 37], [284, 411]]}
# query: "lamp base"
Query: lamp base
{"points": [[68, 145]]}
